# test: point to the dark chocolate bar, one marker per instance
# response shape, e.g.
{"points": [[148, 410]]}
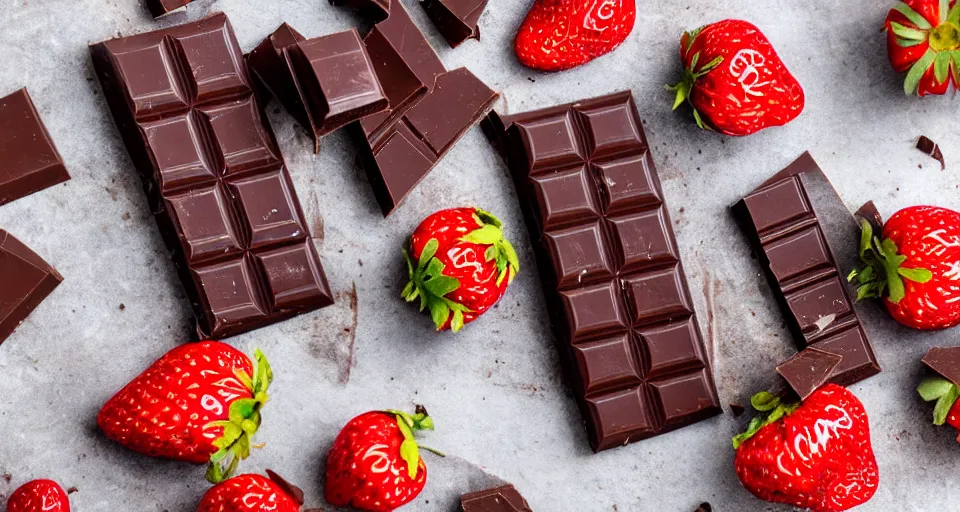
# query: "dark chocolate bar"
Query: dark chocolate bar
{"points": [[27, 280], [610, 267], [456, 20], [160, 8], [29, 162], [325, 83], [214, 177], [945, 361], [788, 221], [808, 369], [500, 499], [430, 107]]}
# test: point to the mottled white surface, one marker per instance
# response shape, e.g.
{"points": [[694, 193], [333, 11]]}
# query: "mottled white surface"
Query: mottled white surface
{"points": [[495, 389]]}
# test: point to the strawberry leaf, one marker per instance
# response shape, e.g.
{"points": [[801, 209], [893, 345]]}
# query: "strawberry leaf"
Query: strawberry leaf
{"points": [[456, 323], [917, 275], [709, 66], [770, 410], [933, 388], [439, 311], [915, 17], [486, 217], [764, 401], [490, 254], [908, 34], [941, 67], [506, 249], [486, 235], [944, 404], [944, 10], [428, 251], [441, 285], [954, 15], [912, 81]]}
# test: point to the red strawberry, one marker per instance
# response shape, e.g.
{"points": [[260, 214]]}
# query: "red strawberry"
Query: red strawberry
{"points": [[563, 34], [814, 455], [915, 268], [198, 403], [463, 265], [374, 464], [946, 394], [39, 496], [253, 493], [734, 79], [923, 39]]}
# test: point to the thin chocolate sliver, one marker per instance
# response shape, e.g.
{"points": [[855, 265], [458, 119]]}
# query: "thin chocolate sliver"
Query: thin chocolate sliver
{"points": [[29, 162], [808, 369], [183, 100], [456, 20], [945, 361], [500, 499], [160, 8], [794, 223], [26, 281], [931, 148], [610, 267]]}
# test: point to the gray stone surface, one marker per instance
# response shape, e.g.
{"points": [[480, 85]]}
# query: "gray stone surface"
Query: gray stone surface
{"points": [[495, 389]]}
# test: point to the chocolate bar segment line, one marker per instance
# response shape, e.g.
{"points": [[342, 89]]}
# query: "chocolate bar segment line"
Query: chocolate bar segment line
{"points": [[220, 191], [27, 281], [620, 306], [784, 221], [29, 161]]}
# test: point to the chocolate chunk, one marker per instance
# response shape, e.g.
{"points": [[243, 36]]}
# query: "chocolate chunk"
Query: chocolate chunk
{"points": [[325, 83], [788, 221], [456, 20], [931, 148], [808, 369], [27, 280], [737, 409], [160, 8], [704, 507], [945, 361], [430, 107], [29, 162], [500, 499], [610, 267], [214, 177]]}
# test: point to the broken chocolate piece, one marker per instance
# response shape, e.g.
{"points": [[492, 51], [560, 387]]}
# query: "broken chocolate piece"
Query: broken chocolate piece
{"points": [[808, 369], [931, 148], [456, 20], [500, 499], [26, 280], [160, 8], [945, 361], [29, 162], [737, 409]]}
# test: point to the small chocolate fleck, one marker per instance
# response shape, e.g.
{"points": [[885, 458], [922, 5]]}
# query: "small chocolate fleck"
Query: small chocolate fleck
{"points": [[737, 409], [72, 490], [704, 507], [931, 148], [122, 306]]}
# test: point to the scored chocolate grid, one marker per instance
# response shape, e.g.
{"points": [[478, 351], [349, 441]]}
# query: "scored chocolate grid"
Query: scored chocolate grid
{"points": [[585, 164]]}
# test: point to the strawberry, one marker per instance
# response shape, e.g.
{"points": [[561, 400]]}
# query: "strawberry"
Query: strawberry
{"points": [[923, 40], [459, 264], [915, 268], [199, 403], [734, 80], [253, 493], [374, 464], [814, 454], [946, 394], [563, 34], [39, 496]]}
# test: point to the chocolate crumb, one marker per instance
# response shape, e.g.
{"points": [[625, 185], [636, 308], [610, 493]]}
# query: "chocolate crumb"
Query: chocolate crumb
{"points": [[931, 148], [122, 306], [704, 507], [72, 490], [737, 409], [7, 476]]}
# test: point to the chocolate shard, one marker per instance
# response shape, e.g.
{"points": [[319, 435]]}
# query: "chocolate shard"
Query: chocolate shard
{"points": [[375, 10], [737, 409], [621, 309], [500, 499], [27, 281], [794, 222], [931, 148], [430, 108], [325, 82], [456, 20], [183, 100], [160, 8], [808, 369], [29, 162], [945, 361]]}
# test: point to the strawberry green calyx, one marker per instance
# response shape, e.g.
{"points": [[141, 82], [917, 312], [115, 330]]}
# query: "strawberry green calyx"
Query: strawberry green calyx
{"points": [[770, 409], [410, 423], [943, 43], [684, 87], [430, 285], [944, 392], [880, 273], [501, 250], [242, 423]]}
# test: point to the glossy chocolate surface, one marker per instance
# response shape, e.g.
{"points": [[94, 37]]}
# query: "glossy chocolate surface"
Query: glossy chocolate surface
{"points": [[500, 499], [430, 108], [27, 280], [160, 8], [618, 296], [945, 361], [214, 177], [808, 369], [786, 220], [456, 20], [29, 162]]}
